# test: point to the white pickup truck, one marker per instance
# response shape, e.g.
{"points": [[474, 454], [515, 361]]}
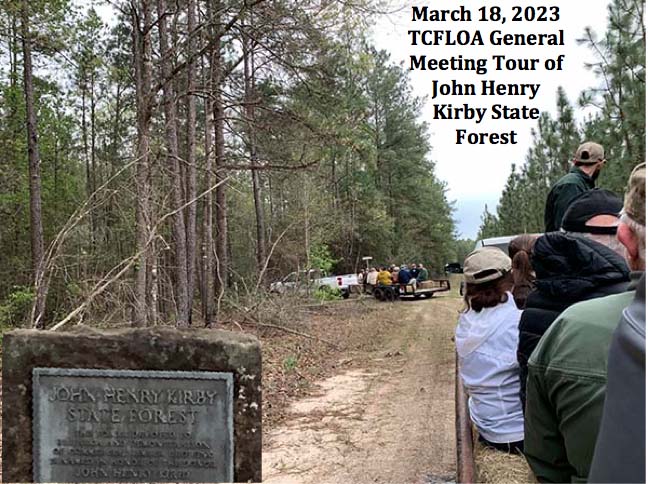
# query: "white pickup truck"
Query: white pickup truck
{"points": [[296, 281]]}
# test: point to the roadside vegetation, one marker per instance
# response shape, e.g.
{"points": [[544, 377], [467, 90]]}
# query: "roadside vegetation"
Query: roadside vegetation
{"points": [[161, 159]]}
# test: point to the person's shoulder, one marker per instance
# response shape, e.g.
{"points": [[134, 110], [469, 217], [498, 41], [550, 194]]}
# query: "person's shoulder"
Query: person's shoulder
{"points": [[580, 331], [505, 314], [568, 185], [536, 320], [567, 178], [599, 309], [569, 182]]}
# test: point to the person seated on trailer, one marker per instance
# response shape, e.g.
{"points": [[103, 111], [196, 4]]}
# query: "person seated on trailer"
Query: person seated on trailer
{"points": [[394, 273], [362, 279], [414, 271], [384, 277], [580, 263], [486, 339], [372, 278], [620, 452], [423, 274], [404, 275]]}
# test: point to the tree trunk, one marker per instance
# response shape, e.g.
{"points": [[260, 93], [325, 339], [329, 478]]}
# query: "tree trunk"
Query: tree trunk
{"points": [[153, 290], [171, 142], [191, 156], [86, 158], [57, 152], [35, 206], [249, 100], [260, 218], [13, 52], [208, 217], [222, 247], [143, 74], [114, 154], [307, 230], [93, 159]]}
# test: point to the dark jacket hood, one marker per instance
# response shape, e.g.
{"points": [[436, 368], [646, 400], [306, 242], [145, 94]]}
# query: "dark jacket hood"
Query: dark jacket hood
{"points": [[570, 267]]}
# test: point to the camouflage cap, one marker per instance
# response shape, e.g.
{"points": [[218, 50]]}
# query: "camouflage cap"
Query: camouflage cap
{"points": [[485, 264], [589, 153], [635, 197]]}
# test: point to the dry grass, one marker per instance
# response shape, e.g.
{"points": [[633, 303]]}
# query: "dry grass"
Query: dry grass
{"points": [[291, 363], [495, 466]]}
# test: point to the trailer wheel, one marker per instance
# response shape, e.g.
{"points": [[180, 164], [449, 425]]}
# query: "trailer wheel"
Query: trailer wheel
{"points": [[391, 294], [428, 295], [345, 294], [379, 294]]}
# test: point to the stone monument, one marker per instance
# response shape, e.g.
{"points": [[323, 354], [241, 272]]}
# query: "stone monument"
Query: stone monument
{"points": [[134, 405]]}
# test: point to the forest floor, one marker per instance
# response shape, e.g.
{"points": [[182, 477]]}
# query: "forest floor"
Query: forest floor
{"points": [[379, 409]]}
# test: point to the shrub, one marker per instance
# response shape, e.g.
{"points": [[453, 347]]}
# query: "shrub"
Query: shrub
{"points": [[16, 306], [320, 257], [326, 293]]}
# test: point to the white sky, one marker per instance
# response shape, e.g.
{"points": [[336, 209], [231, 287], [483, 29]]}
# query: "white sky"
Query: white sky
{"points": [[476, 174]]}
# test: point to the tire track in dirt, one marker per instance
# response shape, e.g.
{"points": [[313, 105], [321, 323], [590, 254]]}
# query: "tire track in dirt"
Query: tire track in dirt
{"points": [[389, 421]]}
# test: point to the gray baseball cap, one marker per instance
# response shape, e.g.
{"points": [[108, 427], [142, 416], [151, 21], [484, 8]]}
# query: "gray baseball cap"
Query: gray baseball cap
{"points": [[589, 153], [486, 264]]}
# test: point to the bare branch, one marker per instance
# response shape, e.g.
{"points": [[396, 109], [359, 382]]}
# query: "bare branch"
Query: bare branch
{"points": [[101, 286]]}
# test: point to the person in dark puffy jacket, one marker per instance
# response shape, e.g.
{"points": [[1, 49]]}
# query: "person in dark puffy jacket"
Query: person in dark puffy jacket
{"points": [[568, 269], [582, 262]]}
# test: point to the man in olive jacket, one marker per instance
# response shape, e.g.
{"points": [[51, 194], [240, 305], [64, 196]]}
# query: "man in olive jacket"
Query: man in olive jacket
{"points": [[568, 369], [588, 162]]}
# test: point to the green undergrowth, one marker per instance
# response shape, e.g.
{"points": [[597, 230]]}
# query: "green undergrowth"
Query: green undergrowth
{"points": [[15, 307], [328, 294]]}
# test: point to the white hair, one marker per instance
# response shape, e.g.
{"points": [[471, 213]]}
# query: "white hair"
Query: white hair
{"points": [[608, 240], [639, 231]]}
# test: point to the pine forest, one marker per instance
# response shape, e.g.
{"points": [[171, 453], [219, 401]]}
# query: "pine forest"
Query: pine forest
{"points": [[171, 161]]}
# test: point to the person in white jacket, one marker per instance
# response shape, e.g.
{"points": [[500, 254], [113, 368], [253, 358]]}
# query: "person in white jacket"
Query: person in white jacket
{"points": [[372, 279], [487, 340]]}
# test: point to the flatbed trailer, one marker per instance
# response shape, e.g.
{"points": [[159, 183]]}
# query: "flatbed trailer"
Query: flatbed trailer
{"points": [[425, 289]]}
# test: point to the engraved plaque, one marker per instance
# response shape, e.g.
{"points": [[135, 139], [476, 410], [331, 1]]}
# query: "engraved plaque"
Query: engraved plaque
{"points": [[132, 426]]}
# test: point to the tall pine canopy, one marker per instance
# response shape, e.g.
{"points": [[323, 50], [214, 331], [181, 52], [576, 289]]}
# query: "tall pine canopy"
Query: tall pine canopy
{"points": [[188, 152], [618, 97]]}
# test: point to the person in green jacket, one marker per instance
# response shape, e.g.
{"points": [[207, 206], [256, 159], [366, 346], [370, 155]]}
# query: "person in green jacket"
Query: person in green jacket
{"points": [[423, 274], [568, 369], [588, 163]]}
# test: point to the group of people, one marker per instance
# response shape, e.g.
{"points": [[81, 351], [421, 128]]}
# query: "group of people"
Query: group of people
{"points": [[392, 275], [551, 342]]}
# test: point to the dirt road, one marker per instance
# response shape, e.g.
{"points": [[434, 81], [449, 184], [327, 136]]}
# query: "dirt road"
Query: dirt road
{"points": [[390, 420]]}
